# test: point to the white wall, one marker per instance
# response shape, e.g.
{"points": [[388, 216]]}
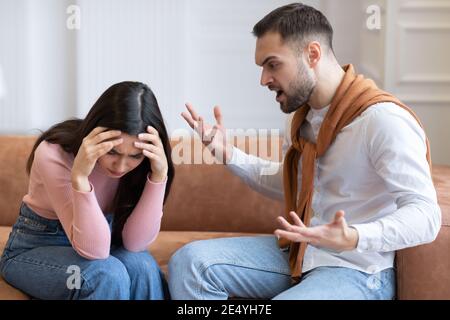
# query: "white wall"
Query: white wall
{"points": [[37, 54], [202, 51], [14, 49], [188, 51], [409, 58]]}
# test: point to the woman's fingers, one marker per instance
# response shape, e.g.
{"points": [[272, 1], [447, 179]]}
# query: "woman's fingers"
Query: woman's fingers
{"points": [[149, 147], [151, 155], [107, 135], [104, 147], [152, 136], [95, 131]]}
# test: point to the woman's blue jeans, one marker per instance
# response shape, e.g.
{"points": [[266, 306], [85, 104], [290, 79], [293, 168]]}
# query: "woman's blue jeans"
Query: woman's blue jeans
{"points": [[39, 260]]}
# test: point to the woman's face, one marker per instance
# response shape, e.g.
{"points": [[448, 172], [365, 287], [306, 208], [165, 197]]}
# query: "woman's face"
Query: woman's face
{"points": [[122, 159]]}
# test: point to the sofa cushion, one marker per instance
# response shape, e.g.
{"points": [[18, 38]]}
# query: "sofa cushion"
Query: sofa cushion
{"points": [[6, 291], [162, 249], [423, 272], [14, 154]]}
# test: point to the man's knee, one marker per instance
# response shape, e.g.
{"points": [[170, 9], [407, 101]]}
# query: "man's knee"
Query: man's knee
{"points": [[189, 257]]}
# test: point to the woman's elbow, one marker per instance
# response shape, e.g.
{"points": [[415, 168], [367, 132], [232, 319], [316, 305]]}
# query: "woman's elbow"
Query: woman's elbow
{"points": [[97, 253], [138, 245]]}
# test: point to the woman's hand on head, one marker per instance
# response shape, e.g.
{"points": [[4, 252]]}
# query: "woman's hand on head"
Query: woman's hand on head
{"points": [[95, 145], [152, 147]]}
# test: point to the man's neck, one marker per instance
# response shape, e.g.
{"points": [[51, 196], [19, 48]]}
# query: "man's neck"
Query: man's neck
{"points": [[327, 84]]}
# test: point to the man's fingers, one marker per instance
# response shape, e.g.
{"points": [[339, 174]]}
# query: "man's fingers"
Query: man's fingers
{"points": [[191, 110], [286, 225], [338, 218], [292, 236], [296, 219], [188, 119], [218, 115]]}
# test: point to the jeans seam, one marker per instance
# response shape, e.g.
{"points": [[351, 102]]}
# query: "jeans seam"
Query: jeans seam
{"points": [[37, 263], [204, 267]]}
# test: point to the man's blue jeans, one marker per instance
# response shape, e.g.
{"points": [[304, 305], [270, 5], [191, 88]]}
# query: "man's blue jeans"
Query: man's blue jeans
{"points": [[39, 260], [255, 267]]}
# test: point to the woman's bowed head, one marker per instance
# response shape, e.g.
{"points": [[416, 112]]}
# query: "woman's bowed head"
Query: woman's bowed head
{"points": [[124, 128], [119, 153]]}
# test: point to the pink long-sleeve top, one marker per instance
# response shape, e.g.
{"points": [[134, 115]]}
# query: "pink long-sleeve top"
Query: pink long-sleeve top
{"points": [[82, 214]]}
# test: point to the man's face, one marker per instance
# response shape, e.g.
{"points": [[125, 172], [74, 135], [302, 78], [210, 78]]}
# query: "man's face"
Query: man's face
{"points": [[284, 72]]}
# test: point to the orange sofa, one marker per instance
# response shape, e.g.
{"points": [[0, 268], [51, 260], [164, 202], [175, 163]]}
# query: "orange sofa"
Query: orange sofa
{"points": [[207, 201]]}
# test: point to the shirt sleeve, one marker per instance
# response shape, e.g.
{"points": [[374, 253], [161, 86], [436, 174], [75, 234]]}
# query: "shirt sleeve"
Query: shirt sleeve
{"points": [[79, 212], [263, 176], [144, 223], [396, 146]]}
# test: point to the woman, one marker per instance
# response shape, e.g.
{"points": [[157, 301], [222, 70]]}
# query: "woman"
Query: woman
{"points": [[96, 193]]}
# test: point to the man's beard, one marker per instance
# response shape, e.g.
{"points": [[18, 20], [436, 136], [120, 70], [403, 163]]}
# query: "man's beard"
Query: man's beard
{"points": [[299, 92]]}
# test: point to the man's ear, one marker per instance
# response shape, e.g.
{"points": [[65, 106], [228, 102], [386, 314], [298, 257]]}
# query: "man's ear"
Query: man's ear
{"points": [[313, 53]]}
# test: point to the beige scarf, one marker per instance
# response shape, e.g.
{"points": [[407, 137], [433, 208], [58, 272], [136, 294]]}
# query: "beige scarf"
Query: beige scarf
{"points": [[354, 95]]}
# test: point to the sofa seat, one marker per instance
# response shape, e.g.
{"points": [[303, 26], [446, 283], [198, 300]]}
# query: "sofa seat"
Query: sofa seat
{"points": [[162, 249]]}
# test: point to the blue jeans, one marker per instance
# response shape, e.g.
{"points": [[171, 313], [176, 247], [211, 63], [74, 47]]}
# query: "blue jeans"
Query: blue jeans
{"points": [[39, 260], [255, 267]]}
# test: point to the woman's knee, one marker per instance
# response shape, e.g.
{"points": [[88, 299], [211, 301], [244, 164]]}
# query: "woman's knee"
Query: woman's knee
{"points": [[106, 279], [138, 262]]}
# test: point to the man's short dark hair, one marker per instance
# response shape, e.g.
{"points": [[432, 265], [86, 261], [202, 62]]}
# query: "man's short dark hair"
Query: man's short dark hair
{"points": [[297, 22]]}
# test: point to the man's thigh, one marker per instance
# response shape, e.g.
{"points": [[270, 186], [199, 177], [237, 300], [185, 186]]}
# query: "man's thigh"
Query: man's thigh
{"points": [[337, 283]]}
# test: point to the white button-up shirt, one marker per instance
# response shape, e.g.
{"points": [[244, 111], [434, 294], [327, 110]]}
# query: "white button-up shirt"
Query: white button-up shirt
{"points": [[376, 171]]}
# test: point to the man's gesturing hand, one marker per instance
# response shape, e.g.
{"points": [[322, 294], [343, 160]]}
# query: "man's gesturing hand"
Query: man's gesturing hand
{"points": [[336, 235], [213, 137]]}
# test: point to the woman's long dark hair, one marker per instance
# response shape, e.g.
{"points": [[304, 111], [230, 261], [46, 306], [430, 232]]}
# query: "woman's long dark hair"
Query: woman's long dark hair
{"points": [[129, 107]]}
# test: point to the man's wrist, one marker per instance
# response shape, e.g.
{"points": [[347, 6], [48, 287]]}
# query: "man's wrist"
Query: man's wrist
{"points": [[353, 239], [229, 153]]}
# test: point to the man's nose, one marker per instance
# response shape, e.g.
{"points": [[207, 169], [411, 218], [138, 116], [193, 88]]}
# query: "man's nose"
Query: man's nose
{"points": [[266, 78]]}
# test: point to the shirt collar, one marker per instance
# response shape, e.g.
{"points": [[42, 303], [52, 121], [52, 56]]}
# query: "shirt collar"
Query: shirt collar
{"points": [[315, 115]]}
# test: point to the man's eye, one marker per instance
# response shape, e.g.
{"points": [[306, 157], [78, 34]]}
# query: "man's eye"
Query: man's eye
{"points": [[112, 153]]}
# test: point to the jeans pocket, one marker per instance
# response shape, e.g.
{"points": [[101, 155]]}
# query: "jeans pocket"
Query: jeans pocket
{"points": [[35, 227]]}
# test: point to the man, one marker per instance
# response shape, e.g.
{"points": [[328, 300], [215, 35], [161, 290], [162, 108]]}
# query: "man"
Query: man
{"points": [[356, 180]]}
